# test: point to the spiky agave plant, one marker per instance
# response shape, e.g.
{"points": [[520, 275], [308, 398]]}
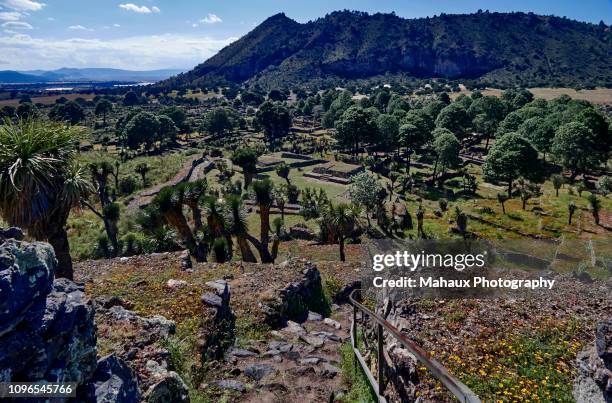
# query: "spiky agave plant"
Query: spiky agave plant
{"points": [[40, 182], [216, 220], [238, 227]]}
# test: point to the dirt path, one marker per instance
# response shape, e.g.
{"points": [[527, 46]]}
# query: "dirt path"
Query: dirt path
{"points": [[185, 174], [299, 363]]}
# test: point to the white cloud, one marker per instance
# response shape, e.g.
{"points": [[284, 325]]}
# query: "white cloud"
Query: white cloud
{"points": [[134, 53], [16, 25], [211, 19], [50, 19], [9, 16], [139, 9], [23, 5], [79, 28], [116, 25]]}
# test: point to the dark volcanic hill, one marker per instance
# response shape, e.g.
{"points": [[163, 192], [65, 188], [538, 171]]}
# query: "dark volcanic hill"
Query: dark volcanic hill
{"points": [[498, 47]]}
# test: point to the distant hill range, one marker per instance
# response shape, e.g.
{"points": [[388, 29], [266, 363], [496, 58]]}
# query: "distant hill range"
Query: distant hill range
{"points": [[83, 75], [498, 48]]}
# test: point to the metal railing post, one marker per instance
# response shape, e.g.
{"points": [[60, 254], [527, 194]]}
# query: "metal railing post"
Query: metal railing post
{"points": [[354, 333], [454, 385], [381, 361]]}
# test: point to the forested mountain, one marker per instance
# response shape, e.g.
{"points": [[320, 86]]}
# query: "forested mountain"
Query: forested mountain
{"points": [[498, 48]]}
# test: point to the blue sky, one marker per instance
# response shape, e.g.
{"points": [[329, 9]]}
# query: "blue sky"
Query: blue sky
{"points": [[151, 34]]}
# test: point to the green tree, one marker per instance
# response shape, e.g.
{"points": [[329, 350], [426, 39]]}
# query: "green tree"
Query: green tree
{"points": [[130, 99], [364, 191], [577, 148], [447, 147], [142, 129], [283, 170], [353, 128], [178, 116], [40, 182], [510, 158], [219, 121], [413, 138], [103, 107], [388, 128], [275, 120], [538, 131], [70, 112], [167, 130], [455, 118], [246, 158]]}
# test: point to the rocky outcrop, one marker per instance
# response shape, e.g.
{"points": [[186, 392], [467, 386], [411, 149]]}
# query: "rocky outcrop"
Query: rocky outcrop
{"points": [[297, 298], [114, 382], [139, 341], [47, 328], [217, 332], [593, 382]]}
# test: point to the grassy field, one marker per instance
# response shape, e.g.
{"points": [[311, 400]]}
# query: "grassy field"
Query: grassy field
{"points": [[601, 96], [48, 99]]}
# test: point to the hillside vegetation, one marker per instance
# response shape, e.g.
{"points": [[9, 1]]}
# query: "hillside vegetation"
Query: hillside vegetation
{"points": [[500, 49]]}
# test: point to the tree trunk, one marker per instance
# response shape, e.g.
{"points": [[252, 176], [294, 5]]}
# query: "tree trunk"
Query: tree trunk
{"points": [[197, 215], [248, 178], [408, 162], [510, 189], [245, 250], [275, 245], [112, 235], [487, 144], [503, 208], [264, 215], [570, 218], [433, 178], [341, 246], [264, 254], [59, 241], [178, 221]]}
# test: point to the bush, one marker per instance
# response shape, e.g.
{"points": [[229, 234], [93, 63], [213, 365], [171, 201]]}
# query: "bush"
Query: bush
{"points": [[128, 185], [293, 194], [220, 250], [443, 203]]}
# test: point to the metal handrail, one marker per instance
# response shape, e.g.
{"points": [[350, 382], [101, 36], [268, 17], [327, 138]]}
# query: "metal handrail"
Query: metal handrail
{"points": [[454, 385]]}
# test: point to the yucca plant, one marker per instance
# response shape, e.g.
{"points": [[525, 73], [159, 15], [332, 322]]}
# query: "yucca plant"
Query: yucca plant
{"points": [[169, 202], [40, 182], [238, 227], [216, 220], [263, 194], [193, 193], [341, 219]]}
